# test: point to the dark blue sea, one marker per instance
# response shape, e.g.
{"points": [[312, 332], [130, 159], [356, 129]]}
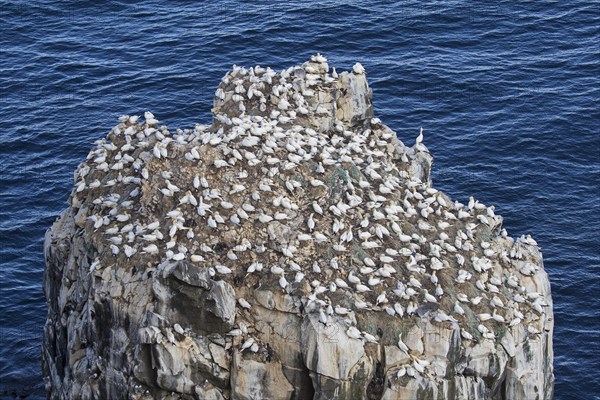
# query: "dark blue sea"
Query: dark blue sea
{"points": [[508, 94]]}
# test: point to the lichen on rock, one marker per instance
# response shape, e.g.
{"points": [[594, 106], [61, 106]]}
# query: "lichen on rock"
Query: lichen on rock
{"points": [[292, 249]]}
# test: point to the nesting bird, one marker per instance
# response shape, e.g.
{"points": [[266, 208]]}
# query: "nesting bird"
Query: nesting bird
{"points": [[271, 195]]}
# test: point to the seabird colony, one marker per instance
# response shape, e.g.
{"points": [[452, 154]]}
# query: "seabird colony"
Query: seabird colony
{"points": [[265, 197]]}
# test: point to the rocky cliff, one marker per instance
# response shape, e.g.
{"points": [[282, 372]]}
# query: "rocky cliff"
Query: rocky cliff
{"points": [[293, 249]]}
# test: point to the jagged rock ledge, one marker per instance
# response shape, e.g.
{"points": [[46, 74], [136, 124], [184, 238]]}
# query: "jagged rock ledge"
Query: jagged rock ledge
{"points": [[293, 249]]}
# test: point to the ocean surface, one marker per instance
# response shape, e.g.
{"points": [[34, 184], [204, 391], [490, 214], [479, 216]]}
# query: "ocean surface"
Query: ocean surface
{"points": [[508, 94]]}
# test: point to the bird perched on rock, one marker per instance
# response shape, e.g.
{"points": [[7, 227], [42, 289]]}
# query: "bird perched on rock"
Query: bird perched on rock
{"points": [[293, 190], [358, 69]]}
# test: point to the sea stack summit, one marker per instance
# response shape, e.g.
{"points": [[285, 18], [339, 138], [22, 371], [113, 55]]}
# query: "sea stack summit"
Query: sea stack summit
{"points": [[292, 249]]}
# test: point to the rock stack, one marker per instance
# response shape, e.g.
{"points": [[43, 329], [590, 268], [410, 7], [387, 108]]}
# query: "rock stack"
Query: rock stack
{"points": [[292, 249]]}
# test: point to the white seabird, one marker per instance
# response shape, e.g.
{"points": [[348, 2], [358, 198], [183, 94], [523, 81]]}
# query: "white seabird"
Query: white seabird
{"points": [[358, 69]]}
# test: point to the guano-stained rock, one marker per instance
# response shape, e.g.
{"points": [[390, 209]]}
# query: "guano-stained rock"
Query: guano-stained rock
{"points": [[292, 249]]}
